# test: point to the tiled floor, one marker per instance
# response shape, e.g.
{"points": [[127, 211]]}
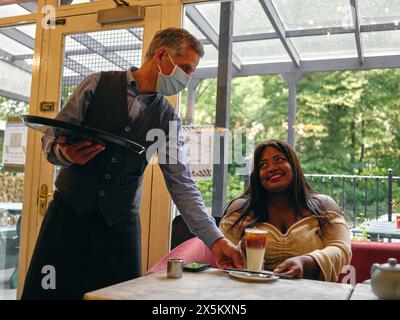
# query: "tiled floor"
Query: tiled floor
{"points": [[5, 292], [7, 266]]}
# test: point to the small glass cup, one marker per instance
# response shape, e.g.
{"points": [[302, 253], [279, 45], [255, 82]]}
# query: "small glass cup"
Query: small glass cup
{"points": [[255, 248]]}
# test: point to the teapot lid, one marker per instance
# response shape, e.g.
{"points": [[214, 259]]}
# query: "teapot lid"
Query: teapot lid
{"points": [[391, 265]]}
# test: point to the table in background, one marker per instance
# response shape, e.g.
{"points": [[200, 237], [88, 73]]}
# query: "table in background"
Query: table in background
{"points": [[214, 284], [380, 229]]}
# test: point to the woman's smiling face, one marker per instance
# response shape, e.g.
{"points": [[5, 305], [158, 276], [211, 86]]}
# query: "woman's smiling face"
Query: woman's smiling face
{"points": [[275, 171]]}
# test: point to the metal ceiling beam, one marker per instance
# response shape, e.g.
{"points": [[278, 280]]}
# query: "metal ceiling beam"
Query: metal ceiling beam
{"points": [[70, 53], [20, 64], [379, 27], [97, 47], [113, 49], [137, 35], [19, 37], [24, 40], [30, 6], [76, 67], [72, 80], [357, 31], [13, 96], [312, 32], [208, 31], [279, 28], [380, 62]]}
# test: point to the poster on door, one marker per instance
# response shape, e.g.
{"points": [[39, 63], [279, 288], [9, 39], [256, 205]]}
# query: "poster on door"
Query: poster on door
{"points": [[199, 146], [14, 148]]}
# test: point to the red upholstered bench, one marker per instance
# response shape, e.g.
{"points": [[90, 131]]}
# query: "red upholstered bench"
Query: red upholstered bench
{"points": [[364, 255]]}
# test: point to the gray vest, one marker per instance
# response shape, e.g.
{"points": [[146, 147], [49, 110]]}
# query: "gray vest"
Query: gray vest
{"points": [[111, 182]]}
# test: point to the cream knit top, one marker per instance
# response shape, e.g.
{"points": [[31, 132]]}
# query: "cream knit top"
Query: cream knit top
{"points": [[331, 249]]}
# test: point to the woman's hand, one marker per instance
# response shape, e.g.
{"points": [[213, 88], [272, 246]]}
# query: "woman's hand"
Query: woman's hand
{"points": [[292, 267], [299, 267], [79, 152]]}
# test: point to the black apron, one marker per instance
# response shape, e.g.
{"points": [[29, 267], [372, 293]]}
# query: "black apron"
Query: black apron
{"points": [[86, 253]]}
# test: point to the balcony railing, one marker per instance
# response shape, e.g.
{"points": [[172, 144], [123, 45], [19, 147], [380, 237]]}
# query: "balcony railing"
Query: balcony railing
{"points": [[373, 197]]}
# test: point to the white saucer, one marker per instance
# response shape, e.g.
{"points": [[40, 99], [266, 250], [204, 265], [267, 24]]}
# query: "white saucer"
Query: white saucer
{"points": [[252, 277]]}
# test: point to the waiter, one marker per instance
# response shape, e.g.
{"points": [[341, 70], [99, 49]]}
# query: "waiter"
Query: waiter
{"points": [[91, 236]]}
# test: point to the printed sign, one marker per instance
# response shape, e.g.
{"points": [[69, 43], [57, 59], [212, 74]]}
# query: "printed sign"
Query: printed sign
{"points": [[14, 149], [199, 146]]}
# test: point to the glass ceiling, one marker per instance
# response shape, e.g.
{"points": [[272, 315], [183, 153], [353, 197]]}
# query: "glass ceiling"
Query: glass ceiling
{"points": [[300, 35], [269, 36]]}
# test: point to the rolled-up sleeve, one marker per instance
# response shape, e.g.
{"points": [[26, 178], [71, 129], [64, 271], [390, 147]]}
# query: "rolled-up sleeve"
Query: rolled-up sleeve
{"points": [[184, 191], [74, 111], [336, 252]]}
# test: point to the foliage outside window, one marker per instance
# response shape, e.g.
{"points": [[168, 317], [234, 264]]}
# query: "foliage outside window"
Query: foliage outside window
{"points": [[346, 122]]}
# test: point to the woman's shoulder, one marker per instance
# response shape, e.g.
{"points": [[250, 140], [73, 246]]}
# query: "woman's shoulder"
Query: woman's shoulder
{"points": [[327, 204]]}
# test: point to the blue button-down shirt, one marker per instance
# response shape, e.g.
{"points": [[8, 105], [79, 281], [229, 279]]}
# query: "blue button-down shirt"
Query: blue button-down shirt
{"points": [[177, 175]]}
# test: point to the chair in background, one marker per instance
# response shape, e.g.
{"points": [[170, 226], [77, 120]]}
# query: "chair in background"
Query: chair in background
{"points": [[180, 231]]}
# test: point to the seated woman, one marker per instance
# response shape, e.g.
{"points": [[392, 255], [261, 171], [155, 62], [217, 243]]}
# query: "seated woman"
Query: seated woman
{"points": [[308, 236]]}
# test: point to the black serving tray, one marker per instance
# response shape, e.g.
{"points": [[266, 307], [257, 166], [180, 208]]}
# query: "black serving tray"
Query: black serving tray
{"points": [[77, 132]]}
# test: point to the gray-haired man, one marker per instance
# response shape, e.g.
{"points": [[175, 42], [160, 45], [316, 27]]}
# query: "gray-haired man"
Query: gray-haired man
{"points": [[91, 232]]}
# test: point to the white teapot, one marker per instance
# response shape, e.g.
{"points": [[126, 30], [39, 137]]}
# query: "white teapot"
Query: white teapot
{"points": [[385, 279]]}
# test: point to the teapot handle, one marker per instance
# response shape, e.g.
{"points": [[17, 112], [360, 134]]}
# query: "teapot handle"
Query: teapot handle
{"points": [[374, 267]]}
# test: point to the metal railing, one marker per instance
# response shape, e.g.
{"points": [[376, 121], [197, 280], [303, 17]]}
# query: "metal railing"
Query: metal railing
{"points": [[371, 196]]}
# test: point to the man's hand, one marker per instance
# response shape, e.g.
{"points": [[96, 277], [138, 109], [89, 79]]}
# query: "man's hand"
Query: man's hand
{"points": [[79, 152], [227, 255]]}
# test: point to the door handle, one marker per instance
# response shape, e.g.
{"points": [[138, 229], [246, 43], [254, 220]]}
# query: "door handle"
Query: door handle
{"points": [[42, 199]]}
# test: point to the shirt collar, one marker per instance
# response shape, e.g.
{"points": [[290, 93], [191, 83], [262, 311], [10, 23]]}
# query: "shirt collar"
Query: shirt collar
{"points": [[131, 81]]}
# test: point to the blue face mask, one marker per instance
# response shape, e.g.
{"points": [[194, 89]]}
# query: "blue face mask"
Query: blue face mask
{"points": [[174, 83]]}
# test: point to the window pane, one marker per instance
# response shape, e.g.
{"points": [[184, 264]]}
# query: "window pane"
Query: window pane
{"points": [[244, 12], [379, 11], [210, 58], [261, 51], [327, 46], [189, 26], [381, 43], [250, 18], [307, 14], [211, 11], [17, 9]]}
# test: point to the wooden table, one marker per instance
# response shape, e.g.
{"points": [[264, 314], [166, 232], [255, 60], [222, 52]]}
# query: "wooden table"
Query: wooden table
{"points": [[214, 284], [363, 292]]}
